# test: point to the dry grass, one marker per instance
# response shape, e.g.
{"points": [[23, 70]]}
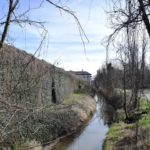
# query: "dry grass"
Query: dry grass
{"points": [[61, 119]]}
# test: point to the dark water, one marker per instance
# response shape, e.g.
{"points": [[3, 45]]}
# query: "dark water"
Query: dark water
{"points": [[90, 137]]}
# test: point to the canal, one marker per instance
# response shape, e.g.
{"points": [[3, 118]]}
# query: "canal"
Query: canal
{"points": [[90, 137]]}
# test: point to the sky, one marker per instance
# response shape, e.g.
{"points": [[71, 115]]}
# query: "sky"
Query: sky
{"points": [[63, 45]]}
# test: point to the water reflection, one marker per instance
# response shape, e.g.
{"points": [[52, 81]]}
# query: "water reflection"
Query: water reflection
{"points": [[90, 137], [108, 113]]}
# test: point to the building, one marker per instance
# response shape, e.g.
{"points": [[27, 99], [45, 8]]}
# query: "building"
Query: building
{"points": [[83, 74]]}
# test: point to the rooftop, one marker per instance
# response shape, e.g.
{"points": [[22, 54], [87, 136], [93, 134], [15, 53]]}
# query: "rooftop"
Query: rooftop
{"points": [[81, 72]]}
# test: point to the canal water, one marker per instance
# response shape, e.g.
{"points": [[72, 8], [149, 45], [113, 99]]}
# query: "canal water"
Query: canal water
{"points": [[90, 137]]}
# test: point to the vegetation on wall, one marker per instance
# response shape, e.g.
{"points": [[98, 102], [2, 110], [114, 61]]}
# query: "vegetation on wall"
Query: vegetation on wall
{"points": [[27, 91]]}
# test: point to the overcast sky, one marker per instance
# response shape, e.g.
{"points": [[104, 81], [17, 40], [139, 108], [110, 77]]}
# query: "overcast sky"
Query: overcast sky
{"points": [[63, 45]]}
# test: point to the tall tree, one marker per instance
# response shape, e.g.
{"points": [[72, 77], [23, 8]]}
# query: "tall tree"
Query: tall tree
{"points": [[130, 20]]}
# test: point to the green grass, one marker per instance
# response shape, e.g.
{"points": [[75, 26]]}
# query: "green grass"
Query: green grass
{"points": [[145, 121], [144, 105], [116, 133], [18, 146], [74, 99], [119, 131], [145, 118]]}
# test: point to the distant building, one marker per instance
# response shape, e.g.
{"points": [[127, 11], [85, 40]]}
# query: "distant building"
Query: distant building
{"points": [[83, 74]]}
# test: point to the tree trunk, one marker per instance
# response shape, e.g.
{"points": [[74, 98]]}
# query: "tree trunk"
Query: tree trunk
{"points": [[144, 16]]}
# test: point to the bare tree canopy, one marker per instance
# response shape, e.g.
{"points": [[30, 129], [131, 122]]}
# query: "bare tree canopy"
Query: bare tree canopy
{"points": [[131, 13], [18, 12]]}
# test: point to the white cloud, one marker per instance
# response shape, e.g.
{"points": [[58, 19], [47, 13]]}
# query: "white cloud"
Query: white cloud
{"points": [[65, 43]]}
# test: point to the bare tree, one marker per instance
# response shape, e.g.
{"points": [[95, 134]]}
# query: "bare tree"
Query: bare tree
{"points": [[130, 20], [17, 120], [13, 16], [12, 6], [129, 12]]}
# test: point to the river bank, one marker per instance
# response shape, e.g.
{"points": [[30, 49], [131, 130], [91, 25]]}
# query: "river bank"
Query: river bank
{"points": [[94, 131], [130, 136], [66, 118]]}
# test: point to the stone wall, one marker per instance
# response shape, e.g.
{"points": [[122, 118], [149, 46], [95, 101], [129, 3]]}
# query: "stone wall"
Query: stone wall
{"points": [[29, 81]]}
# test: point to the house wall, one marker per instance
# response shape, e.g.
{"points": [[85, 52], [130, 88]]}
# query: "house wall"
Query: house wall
{"points": [[85, 77]]}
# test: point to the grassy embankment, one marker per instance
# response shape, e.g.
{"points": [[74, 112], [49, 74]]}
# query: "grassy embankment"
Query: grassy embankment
{"points": [[60, 120], [123, 136]]}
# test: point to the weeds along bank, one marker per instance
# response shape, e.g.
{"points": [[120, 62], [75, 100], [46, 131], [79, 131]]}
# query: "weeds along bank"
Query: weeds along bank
{"points": [[130, 136], [29, 87], [59, 121]]}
